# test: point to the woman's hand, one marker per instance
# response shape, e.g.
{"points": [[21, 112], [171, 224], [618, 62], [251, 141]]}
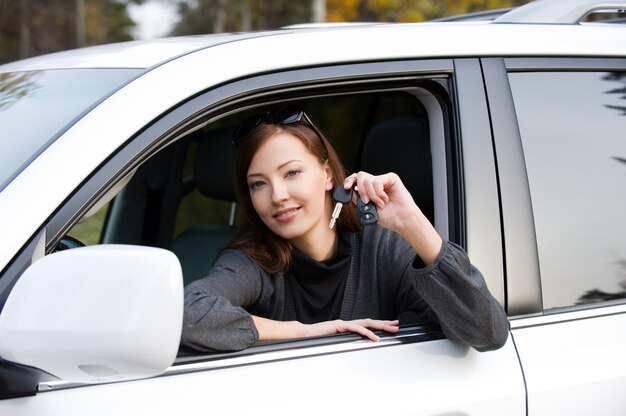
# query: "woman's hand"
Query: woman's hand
{"points": [[397, 211], [364, 327], [393, 201]]}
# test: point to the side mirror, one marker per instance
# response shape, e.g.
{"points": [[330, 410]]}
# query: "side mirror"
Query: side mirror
{"points": [[99, 313]]}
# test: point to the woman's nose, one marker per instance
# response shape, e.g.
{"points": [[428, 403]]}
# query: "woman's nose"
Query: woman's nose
{"points": [[279, 193]]}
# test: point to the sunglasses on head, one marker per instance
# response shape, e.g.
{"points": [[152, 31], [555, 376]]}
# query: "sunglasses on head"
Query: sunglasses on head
{"points": [[291, 114]]}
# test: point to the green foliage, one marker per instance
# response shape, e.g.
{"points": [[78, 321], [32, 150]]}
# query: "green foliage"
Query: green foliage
{"points": [[209, 16], [408, 10], [89, 231]]}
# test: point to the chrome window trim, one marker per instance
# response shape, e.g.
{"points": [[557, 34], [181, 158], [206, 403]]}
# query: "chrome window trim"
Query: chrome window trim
{"points": [[277, 352], [556, 316], [535, 64]]}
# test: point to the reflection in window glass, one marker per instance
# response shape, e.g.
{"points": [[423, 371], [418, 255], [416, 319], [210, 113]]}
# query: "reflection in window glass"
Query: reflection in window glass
{"points": [[36, 105], [89, 230], [573, 129]]}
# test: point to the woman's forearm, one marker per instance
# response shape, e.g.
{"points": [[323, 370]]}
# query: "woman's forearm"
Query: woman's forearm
{"points": [[423, 237], [269, 329], [274, 330]]}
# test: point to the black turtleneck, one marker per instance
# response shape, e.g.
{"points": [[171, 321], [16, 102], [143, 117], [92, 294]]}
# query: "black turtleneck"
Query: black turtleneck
{"points": [[317, 286]]}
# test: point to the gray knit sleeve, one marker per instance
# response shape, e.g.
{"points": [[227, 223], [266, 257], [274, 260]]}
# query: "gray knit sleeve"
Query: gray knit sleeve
{"points": [[214, 316], [456, 292]]}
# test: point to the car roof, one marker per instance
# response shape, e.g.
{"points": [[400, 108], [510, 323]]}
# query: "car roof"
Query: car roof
{"points": [[428, 39]]}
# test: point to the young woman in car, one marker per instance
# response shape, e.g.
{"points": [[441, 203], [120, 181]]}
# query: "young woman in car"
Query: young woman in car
{"points": [[289, 275]]}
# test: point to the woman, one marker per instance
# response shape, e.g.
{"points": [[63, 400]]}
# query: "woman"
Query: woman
{"points": [[290, 275]]}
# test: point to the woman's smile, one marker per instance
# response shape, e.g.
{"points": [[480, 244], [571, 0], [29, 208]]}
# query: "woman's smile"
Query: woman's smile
{"points": [[286, 215]]}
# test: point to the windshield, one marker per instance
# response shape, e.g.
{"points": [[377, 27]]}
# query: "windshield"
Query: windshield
{"points": [[37, 106]]}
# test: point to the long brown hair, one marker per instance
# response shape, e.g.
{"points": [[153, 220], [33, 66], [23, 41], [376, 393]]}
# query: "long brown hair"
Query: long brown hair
{"points": [[272, 252]]}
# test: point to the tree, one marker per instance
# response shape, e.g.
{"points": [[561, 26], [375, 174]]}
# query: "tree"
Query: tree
{"points": [[45, 26], [213, 16], [408, 10], [210, 16]]}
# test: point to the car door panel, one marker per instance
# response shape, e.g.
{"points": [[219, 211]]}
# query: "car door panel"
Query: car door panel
{"points": [[574, 361], [422, 378]]}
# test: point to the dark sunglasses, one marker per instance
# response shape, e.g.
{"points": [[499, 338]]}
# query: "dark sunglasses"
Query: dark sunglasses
{"points": [[291, 114]]}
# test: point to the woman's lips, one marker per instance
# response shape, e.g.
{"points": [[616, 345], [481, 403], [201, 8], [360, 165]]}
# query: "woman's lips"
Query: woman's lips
{"points": [[285, 215]]}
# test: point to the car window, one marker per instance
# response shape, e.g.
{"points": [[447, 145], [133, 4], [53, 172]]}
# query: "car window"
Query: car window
{"points": [[207, 217], [89, 230], [35, 106], [572, 127]]}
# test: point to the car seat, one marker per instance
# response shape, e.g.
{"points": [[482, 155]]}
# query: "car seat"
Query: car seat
{"points": [[197, 246], [402, 145]]}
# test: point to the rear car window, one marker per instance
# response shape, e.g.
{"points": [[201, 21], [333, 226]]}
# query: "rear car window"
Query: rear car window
{"points": [[572, 127]]}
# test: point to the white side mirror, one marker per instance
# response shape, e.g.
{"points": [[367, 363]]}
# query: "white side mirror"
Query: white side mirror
{"points": [[99, 313]]}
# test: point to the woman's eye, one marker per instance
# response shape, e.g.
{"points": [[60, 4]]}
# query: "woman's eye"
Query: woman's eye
{"points": [[293, 172], [255, 185]]}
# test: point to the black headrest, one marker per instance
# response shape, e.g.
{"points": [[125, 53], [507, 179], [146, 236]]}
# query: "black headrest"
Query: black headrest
{"points": [[214, 164], [402, 145]]}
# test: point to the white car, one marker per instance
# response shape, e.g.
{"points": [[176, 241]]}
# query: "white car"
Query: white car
{"points": [[510, 135]]}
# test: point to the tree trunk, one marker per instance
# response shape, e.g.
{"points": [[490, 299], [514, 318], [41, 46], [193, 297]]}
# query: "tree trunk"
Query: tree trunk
{"points": [[80, 23], [220, 17], [25, 43], [318, 11], [246, 17]]}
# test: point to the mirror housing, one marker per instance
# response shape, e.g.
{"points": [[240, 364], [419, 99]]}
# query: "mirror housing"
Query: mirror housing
{"points": [[98, 313]]}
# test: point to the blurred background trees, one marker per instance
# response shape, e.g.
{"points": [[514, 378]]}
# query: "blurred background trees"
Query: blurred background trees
{"points": [[35, 27]]}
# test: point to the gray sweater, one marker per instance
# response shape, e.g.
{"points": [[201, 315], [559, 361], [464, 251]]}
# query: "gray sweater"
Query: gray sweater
{"points": [[385, 278]]}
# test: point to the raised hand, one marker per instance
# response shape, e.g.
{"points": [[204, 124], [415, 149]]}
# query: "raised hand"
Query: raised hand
{"points": [[397, 211]]}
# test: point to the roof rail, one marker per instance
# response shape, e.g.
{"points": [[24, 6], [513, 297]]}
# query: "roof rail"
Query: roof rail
{"points": [[474, 16], [323, 25], [559, 11]]}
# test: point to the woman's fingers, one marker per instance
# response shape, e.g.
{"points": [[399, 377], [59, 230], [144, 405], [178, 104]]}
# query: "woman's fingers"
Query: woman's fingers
{"points": [[363, 327], [370, 187]]}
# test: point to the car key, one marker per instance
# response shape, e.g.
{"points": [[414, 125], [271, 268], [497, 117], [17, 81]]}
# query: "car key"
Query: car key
{"points": [[368, 214], [341, 196]]}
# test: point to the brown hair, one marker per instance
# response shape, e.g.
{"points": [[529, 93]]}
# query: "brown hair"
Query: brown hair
{"points": [[272, 252]]}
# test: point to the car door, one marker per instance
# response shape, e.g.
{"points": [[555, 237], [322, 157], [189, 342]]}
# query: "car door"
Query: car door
{"points": [[558, 130], [415, 372]]}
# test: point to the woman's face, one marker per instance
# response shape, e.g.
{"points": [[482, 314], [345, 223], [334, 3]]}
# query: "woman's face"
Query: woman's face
{"points": [[288, 187]]}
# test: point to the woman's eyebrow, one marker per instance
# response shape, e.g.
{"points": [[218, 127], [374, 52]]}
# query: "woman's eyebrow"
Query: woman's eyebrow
{"points": [[282, 165]]}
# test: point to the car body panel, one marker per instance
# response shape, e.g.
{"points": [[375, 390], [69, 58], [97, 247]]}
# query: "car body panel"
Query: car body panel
{"points": [[430, 378], [574, 361]]}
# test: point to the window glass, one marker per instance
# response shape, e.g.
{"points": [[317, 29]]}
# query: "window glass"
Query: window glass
{"points": [[36, 105], [195, 208], [89, 230], [573, 129]]}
